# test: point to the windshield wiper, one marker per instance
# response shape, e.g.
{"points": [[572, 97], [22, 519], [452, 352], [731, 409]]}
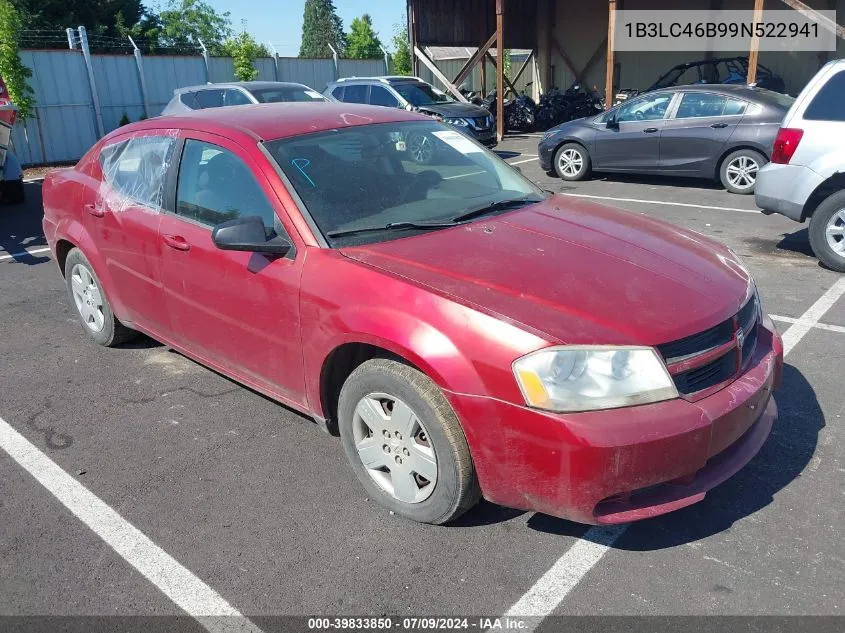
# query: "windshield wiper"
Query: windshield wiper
{"points": [[501, 205], [393, 226]]}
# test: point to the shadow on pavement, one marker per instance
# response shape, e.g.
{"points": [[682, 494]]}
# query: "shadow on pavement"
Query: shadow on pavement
{"points": [[781, 460], [20, 227]]}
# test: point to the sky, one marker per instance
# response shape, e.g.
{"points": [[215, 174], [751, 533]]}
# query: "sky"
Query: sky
{"points": [[279, 22]]}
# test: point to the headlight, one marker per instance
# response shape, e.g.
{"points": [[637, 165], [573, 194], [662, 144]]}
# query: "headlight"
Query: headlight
{"points": [[460, 122], [573, 378], [548, 135]]}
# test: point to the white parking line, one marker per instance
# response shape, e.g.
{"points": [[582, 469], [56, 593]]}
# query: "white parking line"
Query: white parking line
{"points": [[812, 316], [527, 160], [34, 251], [818, 326], [565, 574], [663, 202], [175, 581]]}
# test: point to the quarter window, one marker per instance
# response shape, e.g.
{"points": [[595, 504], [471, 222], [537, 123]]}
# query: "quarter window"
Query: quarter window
{"points": [[695, 105], [734, 107], [136, 168], [828, 104], [216, 186]]}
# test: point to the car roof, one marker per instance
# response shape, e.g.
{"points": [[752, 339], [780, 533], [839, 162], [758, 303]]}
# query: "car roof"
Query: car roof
{"points": [[248, 85], [739, 90], [271, 121]]}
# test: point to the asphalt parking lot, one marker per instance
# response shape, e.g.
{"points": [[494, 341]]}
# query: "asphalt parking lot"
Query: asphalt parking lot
{"points": [[260, 509]]}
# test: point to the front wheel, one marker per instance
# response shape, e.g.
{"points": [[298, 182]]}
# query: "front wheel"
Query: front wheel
{"points": [[405, 443], [827, 232], [738, 171], [572, 162]]}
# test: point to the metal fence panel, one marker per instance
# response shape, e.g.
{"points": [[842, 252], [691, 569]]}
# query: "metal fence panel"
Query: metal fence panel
{"points": [[311, 72], [118, 87], [266, 68], [361, 67], [165, 73]]}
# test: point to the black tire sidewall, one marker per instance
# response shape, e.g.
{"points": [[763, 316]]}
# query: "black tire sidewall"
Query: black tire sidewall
{"points": [[818, 231], [723, 169], [107, 334], [585, 166], [373, 378]]}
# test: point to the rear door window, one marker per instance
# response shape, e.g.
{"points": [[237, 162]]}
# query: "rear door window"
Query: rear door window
{"points": [[355, 94], [210, 98], [236, 97], [829, 102], [696, 105], [136, 168]]}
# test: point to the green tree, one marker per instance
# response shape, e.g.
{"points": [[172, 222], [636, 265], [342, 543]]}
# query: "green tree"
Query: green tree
{"points": [[100, 17], [243, 49], [185, 22], [402, 55], [14, 73], [321, 26], [362, 40]]}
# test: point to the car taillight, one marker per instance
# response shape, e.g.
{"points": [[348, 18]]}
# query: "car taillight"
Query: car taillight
{"points": [[786, 142]]}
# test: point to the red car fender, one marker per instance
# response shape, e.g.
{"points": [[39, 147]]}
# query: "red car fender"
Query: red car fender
{"points": [[402, 334]]}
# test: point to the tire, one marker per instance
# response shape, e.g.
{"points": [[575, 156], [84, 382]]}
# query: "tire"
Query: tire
{"points": [[572, 162], [829, 216], [97, 318], [386, 392], [743, 165]]}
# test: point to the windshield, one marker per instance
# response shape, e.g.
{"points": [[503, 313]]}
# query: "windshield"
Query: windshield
{"points": [[360, 180], [420, 94], [286, 94]]}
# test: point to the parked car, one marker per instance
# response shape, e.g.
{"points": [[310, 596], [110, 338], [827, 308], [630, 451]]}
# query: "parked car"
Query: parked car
{"points": [[430, 314], [721, 70], [239, 93], [11, 174], [713, 132], [806, 178], [412, 93]]}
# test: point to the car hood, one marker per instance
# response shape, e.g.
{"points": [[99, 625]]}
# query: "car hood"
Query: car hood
{"points": [[571, 126], [575, 272], [455, 110]]}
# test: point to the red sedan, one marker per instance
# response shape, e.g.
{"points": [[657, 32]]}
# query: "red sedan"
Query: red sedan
{"points": [[465, 332]]}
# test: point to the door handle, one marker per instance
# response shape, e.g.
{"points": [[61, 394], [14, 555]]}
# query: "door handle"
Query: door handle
{"points": [[650, 130], [719, 126], [177, 241], [93, 210]]}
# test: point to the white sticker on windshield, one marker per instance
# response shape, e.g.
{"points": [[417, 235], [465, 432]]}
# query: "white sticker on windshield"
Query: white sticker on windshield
{"points": [[314, 94], [458, 141]]}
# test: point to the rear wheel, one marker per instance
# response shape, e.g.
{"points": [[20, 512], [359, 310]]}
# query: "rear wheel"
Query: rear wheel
{"points": [[405, 443], [572, 162], [91, 304], [738, 171], [827, 232]]}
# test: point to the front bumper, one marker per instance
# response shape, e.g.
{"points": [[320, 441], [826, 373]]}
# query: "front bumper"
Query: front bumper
{"points": [[546, 150], [785, 189], [625, 464]]}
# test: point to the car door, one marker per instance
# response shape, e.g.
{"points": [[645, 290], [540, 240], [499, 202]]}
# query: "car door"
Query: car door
{"points": [[692, 140], [236, 310], [629, 138], [122, 216]]}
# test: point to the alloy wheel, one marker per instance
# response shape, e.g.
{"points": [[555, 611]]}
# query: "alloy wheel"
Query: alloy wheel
{"points": [[571, 162], [87, 297], [835, 232], [421, 148], [742, 172], [394, 447]]}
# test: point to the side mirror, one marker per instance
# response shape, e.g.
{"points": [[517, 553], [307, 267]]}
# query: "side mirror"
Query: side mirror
{"points": [[247, 234], [612, 123]]}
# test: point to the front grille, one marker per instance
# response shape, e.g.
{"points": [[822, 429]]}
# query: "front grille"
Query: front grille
{"points": [[721, 369], [706, 376]]}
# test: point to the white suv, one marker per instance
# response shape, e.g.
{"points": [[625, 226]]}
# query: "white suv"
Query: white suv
{"points": [[806, 176]]}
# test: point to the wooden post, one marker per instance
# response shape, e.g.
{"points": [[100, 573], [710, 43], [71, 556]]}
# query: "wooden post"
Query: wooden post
{"points": [[611, 43], [484, 77], [438, 74], [500, 69], [412, 35], [755, 43]]}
